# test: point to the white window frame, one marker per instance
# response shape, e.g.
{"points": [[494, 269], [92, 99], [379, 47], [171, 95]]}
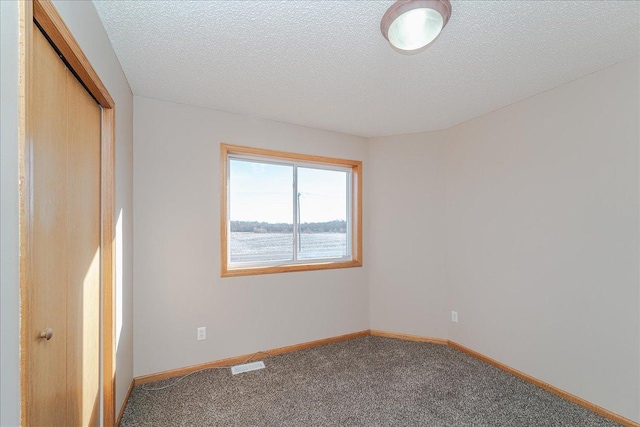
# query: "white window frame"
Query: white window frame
{"points": [[354, 213]]}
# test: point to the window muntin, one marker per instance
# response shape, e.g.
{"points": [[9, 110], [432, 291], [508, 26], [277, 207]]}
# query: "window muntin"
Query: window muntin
{"points": [[288, 212]]}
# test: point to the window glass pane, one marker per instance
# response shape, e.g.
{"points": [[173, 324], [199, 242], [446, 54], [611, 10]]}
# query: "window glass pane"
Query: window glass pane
{"points": [[260, 211], [322, 213]]}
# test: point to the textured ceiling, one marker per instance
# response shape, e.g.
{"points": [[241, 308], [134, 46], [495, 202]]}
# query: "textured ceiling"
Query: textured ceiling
{"points": [[324, 64]]}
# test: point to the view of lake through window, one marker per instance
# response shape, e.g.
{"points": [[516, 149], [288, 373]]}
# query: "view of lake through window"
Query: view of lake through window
{"points": [[281, 212]]}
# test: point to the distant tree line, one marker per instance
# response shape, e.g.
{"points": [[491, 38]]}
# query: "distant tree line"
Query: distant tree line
{"points": [[335, 226]]}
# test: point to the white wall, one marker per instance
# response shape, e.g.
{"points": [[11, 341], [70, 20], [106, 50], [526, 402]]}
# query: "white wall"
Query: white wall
{"points": [[9, 226], [83, 21], [407, 268], [536, 208], [543, 237], [177, 246]]}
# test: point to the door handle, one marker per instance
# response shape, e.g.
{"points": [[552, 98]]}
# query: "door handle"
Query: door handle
{"points": [[47, 333]]}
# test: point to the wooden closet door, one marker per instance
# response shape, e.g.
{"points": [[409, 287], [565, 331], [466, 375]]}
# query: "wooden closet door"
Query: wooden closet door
{"points": [[83, 256], [64, 292]]}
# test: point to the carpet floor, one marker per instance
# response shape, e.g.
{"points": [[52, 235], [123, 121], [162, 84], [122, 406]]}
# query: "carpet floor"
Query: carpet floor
{"points": [[368, 381]]}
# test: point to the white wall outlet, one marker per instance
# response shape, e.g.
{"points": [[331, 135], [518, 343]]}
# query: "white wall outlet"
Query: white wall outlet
{"points": [[454, 316], [202, 333]]}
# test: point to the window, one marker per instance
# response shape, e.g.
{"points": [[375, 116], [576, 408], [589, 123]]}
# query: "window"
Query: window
{"points": [[288, 212]]}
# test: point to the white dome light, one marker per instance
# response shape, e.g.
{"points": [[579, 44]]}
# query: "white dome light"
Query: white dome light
{"points": [[413, 24]]}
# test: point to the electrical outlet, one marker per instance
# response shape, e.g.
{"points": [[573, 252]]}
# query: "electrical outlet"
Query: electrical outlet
{"points": [[202, 333], [454, 316]]}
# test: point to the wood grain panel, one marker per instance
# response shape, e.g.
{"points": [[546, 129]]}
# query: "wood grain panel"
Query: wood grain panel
{"points": [[275, 154], [83, 249], [45, 14], [108, 245], [408, 337], [249, 271], [25, 88], [46, 298], [357, 213]]}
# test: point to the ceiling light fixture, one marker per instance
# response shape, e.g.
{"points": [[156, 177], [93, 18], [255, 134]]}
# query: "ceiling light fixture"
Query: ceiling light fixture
{"points": [[410, 25]]}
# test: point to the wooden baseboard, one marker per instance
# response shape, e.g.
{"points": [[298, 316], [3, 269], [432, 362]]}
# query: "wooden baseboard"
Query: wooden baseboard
{"points": [[240, 359], [625, 422], [550, 388], [124, 404], [407, 337]]}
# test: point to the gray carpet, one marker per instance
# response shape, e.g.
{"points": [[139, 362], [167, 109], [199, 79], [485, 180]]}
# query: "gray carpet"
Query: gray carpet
{"points": [[367, 381]]}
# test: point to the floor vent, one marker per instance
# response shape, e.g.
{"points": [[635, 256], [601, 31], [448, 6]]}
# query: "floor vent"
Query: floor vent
{"points": [[253, 366]]}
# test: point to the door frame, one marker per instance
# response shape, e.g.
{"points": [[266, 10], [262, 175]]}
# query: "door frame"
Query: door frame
{"points": [[49, 20]]}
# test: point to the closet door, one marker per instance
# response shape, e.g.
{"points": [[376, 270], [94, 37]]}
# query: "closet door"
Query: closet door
{"points": [[62, 306]]}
